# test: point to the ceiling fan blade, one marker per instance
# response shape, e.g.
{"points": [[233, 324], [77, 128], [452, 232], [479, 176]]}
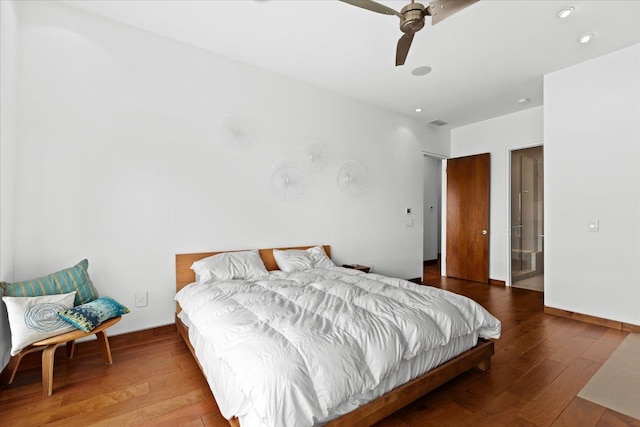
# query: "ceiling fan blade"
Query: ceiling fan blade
{"points": [[403, 48], [441, 9], [373, 6]]}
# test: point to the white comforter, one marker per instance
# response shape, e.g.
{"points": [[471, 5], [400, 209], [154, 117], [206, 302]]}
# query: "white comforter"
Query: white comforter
{"points": [[299, 344]]}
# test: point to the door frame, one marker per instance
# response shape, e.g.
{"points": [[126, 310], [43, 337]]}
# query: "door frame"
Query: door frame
{"points": [[508, 151]]}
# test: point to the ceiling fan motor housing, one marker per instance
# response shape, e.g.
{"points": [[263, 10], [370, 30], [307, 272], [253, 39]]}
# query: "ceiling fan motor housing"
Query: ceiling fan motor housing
{"points": [[412, 19]]}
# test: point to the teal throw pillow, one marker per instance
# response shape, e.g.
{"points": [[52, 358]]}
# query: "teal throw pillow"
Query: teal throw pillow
{"points": [[88, 316], [64, 281]]}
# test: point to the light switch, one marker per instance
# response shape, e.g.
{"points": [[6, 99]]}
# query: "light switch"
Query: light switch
{"points": [[594, 226], [142, 299], [408, 223]]}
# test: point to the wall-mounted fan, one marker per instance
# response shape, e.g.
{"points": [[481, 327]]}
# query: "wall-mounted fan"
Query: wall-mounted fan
{"points": [[287, 180], [236, 131], [315, 156], [351, 178], [412, 18]]}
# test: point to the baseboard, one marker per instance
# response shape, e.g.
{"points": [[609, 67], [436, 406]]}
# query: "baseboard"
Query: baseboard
{"points": [[497, 282], [89, 348], [594, 320], [629, 327]]}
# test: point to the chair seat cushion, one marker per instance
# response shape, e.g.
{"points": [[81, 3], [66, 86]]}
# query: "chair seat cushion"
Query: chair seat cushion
{"points": [[33, 319], [87, 317]]}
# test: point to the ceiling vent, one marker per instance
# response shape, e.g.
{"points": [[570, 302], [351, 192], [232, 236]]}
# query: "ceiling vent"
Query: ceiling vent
{"points": [[438, 122]]}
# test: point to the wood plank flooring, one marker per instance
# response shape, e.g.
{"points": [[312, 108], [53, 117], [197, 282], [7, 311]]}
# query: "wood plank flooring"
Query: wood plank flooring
{"points": [[541, 363]]}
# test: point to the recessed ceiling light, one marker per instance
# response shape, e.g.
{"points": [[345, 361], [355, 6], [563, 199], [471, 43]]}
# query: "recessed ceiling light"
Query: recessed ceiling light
{"points": [[565, 12], [586, 38], [523, 100], [418, 110], [421, 71]]}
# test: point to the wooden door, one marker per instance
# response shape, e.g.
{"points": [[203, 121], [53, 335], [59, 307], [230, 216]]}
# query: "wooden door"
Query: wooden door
{"points": [[467, 248]]}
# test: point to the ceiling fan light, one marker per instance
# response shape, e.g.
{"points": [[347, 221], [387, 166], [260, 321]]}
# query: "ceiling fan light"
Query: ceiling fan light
{"points": [[586, 38], [564, 13]]}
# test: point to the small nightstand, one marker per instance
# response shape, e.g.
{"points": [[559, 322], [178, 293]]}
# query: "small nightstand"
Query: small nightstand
{"points": [[358, 267]]}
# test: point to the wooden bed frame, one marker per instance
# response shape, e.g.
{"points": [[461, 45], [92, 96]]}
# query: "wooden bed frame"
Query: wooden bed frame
{"points": [[376, 410]]}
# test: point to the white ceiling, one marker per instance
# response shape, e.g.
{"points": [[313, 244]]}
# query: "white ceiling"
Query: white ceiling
{"points": [[484, 58]]}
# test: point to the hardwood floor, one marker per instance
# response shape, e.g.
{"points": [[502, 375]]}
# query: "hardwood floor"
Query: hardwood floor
{"points": [[541, 363]]}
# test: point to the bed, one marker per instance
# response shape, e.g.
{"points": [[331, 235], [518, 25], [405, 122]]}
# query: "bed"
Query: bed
{"points": [[321, 344]]}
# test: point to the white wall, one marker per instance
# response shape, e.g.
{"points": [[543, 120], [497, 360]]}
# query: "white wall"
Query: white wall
{"points": [[8, 155], [120, 161], [592, 149], [496, 136]]}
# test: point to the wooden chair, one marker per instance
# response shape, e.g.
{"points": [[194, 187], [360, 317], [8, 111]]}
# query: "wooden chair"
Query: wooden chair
{"points": [[48, 347]]}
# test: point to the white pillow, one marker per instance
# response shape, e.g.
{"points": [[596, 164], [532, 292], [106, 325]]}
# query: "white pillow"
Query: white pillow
{"points": [[33, 319], [245, 265], [320, 258], [291, 260]]}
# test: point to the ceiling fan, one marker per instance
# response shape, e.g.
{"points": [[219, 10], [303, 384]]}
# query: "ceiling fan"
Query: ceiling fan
{"points": [[412, 18]]}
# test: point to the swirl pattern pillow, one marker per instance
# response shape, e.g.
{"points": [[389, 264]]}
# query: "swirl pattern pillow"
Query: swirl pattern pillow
{"points": [[88, 316], [33, 319]]}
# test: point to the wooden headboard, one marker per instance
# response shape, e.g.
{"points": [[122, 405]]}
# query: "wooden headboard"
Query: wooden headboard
{"points": [[184, 274]]}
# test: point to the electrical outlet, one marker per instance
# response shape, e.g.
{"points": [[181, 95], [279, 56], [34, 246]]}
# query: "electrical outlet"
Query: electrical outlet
{"points": [[408, 223], [142, 299]]}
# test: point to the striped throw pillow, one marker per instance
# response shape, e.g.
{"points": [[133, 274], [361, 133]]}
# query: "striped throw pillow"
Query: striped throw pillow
{"points": [[68, 280]]}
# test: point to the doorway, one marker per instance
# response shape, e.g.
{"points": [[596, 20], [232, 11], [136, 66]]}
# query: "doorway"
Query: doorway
{"points": [[527, 218], [432, 212], [468, 249]]}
